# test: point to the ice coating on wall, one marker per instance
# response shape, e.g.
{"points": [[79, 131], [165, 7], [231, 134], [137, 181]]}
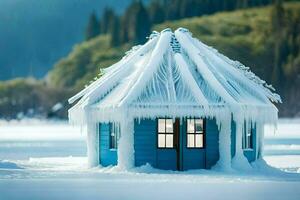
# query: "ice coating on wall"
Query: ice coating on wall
{"points": [[92, 144], [176, 75]]}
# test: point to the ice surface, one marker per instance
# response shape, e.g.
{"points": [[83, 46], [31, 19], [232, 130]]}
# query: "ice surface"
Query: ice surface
{"points": [[68, 177]]}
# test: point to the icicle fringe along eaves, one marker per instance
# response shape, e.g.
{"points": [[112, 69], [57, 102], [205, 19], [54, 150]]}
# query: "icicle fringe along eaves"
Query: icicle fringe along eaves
{"points": [[149, 82]]}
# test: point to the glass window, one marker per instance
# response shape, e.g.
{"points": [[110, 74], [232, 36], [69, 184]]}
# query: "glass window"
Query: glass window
{"points": [[191, 140], [114, 135], [169, 126], [165, 133], [195, 133], [199, 126], [169, 140], [161, 140], [190, 126], [248, 136], [199, 140], [161, 126]]}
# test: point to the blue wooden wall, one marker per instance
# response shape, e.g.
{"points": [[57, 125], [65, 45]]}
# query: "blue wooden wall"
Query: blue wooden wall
{"points": [[145, 142], [107, 156], [146, 151], [145, 147]]}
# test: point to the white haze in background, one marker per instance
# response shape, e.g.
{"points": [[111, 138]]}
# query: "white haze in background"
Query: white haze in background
{"points": [[35, 129]]}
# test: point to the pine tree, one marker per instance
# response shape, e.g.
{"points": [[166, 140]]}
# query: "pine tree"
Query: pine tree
{"points": [[142, 24], [172, 9], [107, 18], [93, 28], [124, 36], [277, 22], [115, 32], [135, 23], [156, 12]]}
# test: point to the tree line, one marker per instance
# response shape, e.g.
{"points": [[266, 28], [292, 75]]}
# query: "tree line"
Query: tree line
{"points": [[285, 31], [136, 22]]}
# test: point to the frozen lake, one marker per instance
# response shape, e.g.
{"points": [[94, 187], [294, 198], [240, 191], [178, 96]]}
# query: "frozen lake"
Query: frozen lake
{"points": [[49, 157]]}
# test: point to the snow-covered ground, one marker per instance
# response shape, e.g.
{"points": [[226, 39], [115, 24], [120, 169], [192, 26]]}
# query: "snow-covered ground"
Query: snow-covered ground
{"points": [[46, 160]]}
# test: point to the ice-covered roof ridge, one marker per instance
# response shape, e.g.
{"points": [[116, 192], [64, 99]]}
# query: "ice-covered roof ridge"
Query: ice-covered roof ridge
{"points": [[173, 68], [243, 69]]}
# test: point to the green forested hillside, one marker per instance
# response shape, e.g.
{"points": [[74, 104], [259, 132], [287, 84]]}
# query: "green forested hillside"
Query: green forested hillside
{"points": [[246, 35], [29, 97], [84, 62]]}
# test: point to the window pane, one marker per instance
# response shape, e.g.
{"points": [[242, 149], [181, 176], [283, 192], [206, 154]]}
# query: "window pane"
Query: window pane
{"points": [[112, 142], [190, 140], [161, 125], [169, 126], [249, 133], [247, 137], [250, 143], [199, 140], [114, 135], [169, 140], [199, 125], [190, 126], [161, 140]]}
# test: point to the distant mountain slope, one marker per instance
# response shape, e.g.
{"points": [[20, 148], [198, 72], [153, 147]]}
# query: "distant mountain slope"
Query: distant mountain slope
{"points": [[34, 34]]}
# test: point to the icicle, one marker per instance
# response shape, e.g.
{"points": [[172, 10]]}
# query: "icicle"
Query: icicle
{"points": [[239, 161], [126, 143], [260, 139], [224, 162], [92, 145]]}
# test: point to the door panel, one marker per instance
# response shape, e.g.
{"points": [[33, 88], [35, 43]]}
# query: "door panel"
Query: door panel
{"points": [[166, 158], [191, 158], [180, 157]]}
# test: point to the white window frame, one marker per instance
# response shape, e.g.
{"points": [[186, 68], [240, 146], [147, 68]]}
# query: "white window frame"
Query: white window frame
{"points": [[195, 134], [164, 134]]}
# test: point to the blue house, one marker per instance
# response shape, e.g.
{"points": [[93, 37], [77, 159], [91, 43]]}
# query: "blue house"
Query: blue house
{"points": [[176, 104]]}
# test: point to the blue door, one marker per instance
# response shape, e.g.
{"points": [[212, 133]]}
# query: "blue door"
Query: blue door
{"points": [[180, 146], [167, 144], [192, 144]]}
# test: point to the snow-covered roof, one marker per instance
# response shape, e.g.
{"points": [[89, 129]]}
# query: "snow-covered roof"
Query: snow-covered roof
{"points": [[174, 74]]}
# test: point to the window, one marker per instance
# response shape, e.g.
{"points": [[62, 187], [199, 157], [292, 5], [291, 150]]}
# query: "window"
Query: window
{"points": [[248, 136], [195, 133], [114, 135], [165, 133]]}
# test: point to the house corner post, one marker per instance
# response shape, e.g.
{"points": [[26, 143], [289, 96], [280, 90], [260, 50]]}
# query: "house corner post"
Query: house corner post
{"points": [[239, 161], [126, 144], [224, 162], [92, 144], [225, 134]]}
